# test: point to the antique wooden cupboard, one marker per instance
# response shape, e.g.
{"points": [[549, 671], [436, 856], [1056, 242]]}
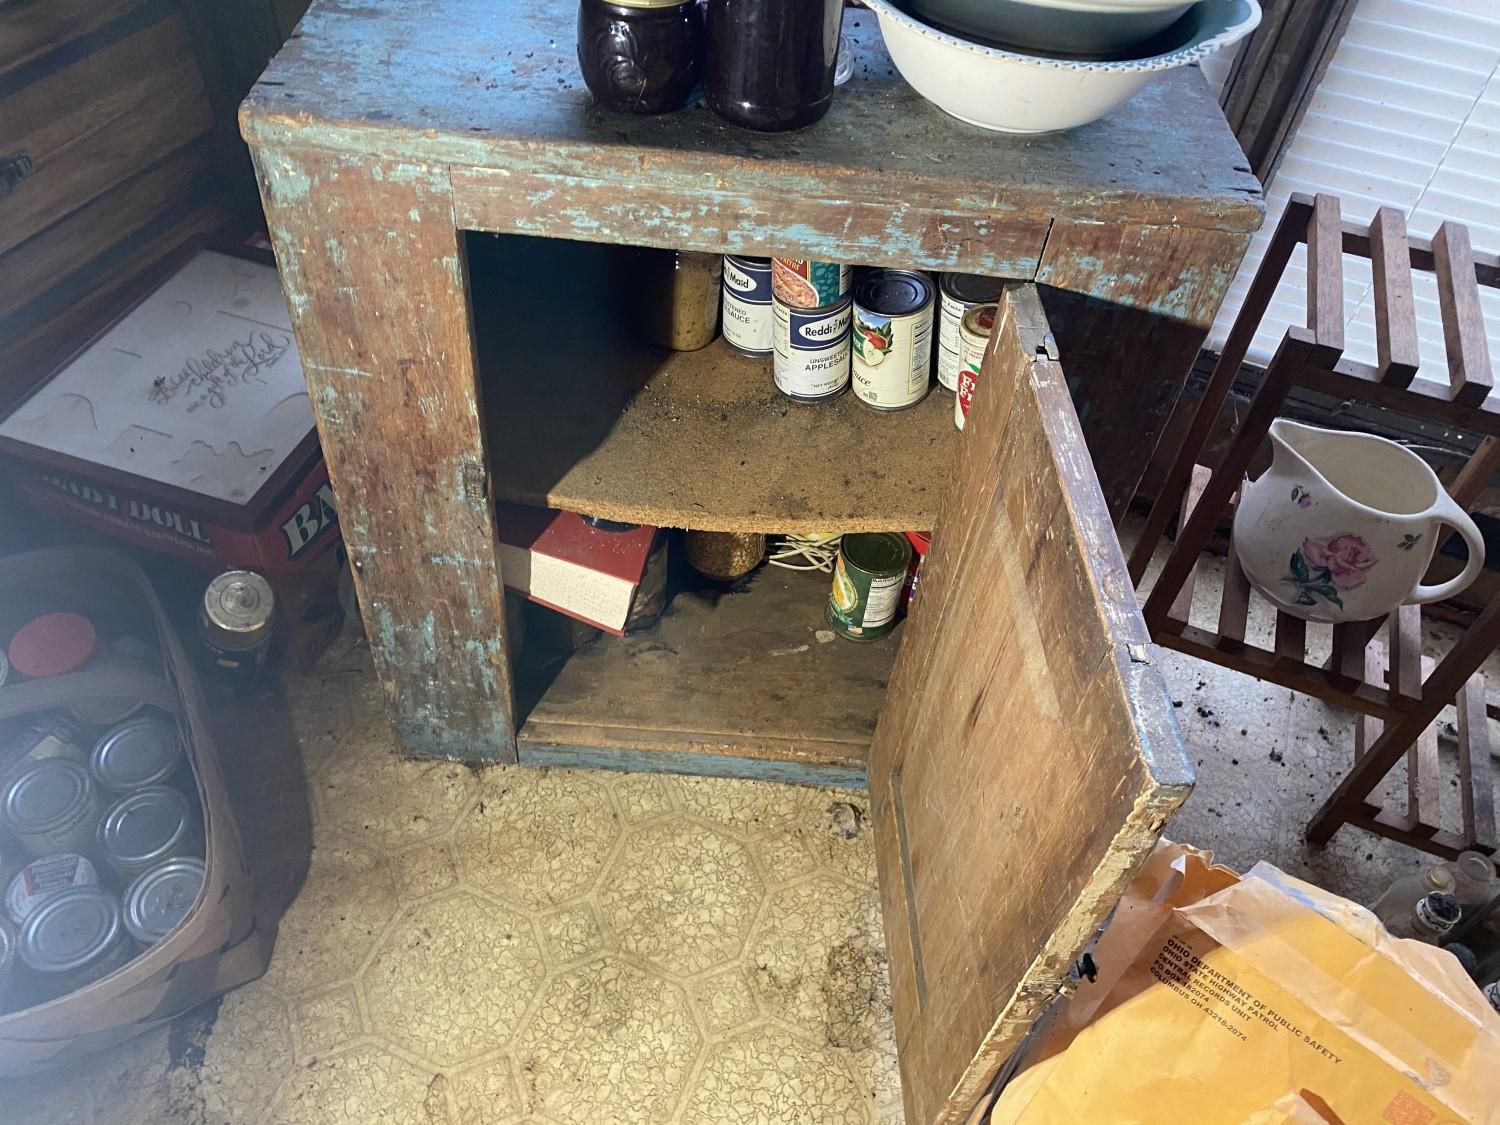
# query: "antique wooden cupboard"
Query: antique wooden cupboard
{"points": [[1026, 756]]}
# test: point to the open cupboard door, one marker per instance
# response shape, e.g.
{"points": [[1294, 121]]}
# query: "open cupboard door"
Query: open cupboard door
{"points": [[1028, 757]]}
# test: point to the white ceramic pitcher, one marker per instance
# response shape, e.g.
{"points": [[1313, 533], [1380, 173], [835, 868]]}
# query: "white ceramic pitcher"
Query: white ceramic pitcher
{"points": [[1342, 526]]}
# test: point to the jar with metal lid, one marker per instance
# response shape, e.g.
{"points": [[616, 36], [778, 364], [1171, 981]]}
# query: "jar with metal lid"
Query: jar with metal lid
{"points": [[771, 62], [51, 806], [683, 291], [42, 878], [641, 56], [145, 827], [161, 898], [139, 752], [9, 939], [74, 939], [235, 622]]}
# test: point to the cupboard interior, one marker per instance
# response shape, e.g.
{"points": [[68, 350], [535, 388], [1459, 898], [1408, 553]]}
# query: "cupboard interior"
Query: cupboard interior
{"points": [[582, 413]]}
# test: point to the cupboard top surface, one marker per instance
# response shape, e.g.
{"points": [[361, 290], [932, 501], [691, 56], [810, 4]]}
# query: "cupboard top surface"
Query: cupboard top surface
{"points": [[475, 84]]}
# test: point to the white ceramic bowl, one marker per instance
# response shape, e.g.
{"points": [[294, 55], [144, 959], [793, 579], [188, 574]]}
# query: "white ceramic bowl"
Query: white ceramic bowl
{"points": [[1020, 93], [1073, 27]]}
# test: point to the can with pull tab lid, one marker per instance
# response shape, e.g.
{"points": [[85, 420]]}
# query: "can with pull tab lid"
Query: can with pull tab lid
{"points": [[51, 806], [145, 827], [161, 898], [139, 752], [235, 622], [74, 939]]}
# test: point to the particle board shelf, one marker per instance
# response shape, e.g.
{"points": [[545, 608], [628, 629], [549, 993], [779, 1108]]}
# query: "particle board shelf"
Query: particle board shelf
{"points": [[583, 415], [736, 684]]}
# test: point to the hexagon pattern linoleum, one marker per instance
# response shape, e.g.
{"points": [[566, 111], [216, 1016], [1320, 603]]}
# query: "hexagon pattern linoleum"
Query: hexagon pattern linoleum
{"points": [[549, 947]]}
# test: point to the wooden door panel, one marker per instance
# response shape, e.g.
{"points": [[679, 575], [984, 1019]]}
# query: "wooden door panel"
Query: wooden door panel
{"points": [[1027, 757]]}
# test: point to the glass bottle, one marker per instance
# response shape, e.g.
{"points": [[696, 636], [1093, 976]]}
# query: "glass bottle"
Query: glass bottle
{"points": [[641, 56], [1474, 881], [683, 293], [771, 62], [1431, 919], [1402, 895]]}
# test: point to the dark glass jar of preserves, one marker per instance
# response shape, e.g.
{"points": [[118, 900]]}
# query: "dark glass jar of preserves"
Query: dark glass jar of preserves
{"points": [[643, 56], [771, 62]]}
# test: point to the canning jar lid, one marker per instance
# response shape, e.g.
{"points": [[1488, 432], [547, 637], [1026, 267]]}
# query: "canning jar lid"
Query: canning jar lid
{"points": [[136, 753], [53, 644], [979, 321], [45, 794], [71, 930], [237, 609], [893, 292], [878, 552], [162, 897], [971, 288], [144, 825]]}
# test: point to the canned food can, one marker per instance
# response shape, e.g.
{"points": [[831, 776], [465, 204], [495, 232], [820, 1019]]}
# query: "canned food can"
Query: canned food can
{"points": [[892, 338], [748, 324], [235, 622], [9, 939], [812, 350], [139, 752], [145, 827], [920, 542], [161, 898], [974, 336], [42, 878], [51, 806], [48, 736], [867, 584], [801, 283], [957, 294], [4, 668], [101, 711], [74, 939]]}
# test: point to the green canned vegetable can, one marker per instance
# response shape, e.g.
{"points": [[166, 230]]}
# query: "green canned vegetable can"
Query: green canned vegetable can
{"points": [[867, 584]]}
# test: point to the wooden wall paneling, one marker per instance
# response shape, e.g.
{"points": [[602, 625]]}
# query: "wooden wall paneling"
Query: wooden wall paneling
{"points": [[399, 413], [1130, 306], [30, 29], [995, 737], [95, 121]]}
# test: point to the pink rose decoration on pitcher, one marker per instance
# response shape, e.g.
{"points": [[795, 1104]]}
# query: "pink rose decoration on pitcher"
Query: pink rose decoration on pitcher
{"points": [[1323, 567]]}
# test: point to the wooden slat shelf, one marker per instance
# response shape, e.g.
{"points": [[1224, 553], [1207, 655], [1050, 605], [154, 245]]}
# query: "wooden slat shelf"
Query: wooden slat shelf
{"points": [[585, 416], [737, 685]]}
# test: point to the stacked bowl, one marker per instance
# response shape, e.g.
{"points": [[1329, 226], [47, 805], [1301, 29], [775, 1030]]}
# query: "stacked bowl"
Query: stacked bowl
{"points": [[1037, 66]]}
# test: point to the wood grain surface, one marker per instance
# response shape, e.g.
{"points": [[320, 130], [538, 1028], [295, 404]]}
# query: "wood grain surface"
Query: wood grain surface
{"points": [[736, 685], [1015, 781], [398, 411]]}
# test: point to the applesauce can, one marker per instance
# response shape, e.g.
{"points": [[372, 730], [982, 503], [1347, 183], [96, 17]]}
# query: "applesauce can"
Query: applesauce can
{"points": [[867, 583], [42, 878], [747, 321], [51, 806], [75, 938], [892, 338], [801, 283], [974, 335], [812, 350], [957, 294]]}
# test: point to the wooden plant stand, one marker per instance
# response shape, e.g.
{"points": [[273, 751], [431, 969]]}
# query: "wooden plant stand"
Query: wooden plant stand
{"points": [[1398, 702]]}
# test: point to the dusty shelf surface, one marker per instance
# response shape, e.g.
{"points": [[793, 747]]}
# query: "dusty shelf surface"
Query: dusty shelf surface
{"points": [[737, 684], [582, 415]]}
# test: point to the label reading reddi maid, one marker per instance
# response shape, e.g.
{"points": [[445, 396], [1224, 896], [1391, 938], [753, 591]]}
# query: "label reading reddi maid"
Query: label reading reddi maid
{"points": [[812, 350], [747, 305]]}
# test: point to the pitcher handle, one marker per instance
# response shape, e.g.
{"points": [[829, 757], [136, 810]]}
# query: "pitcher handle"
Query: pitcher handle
{"points": [[1449, 512]]}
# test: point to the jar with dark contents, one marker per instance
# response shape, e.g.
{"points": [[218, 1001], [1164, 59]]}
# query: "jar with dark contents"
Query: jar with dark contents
{"points": [[771, 62], [642, 56]]}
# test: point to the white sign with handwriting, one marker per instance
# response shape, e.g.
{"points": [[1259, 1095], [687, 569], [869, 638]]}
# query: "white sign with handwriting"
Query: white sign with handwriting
{"points": [[199, 386]]}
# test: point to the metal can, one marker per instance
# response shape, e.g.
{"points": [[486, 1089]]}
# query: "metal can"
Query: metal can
{"points": [[161, 898], [4, 667], [136, 753], [9, 939], [974, 338], [747, 321], [920, 542], [102, 710], [812, 350], [74, 939], [867, 584], [957, 294], [48, 736], [892, 338], [42, 878], [51, 806], [801, 283], [145, 827], [235, 622]]}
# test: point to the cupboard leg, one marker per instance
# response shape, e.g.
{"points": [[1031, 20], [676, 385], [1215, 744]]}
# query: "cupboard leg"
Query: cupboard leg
{"points": [[382, 321]]}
